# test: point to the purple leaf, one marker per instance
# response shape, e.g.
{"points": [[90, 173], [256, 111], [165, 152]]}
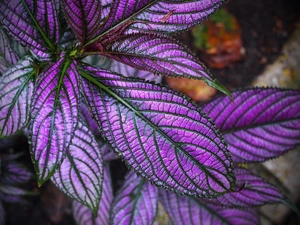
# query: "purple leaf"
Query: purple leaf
{"points": [[129, 71], [106, 151], [80, 175], [18, 20], [160, 55], [159, 16], [159, 133], [258, 124], [8, 56], [255, 192], [136, 202], [192, 211], [87, 118], [54, 116], [174, 16], [84, 17], [16, 88], [45, 14], [84, 216], [2, 214]]}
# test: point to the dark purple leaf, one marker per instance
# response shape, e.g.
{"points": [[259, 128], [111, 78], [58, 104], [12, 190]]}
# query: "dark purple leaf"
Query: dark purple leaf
{"points": [[192, 211], [106, 151], [160, 55], [136, 202], [129, 71], [16, 88], [258, 124], [80, 175], [12, 194], [2, 214], [255, 192], [8, 56], [54, 116], [23, 24], [159, 133], [13, 173], [84, 17], [84, 216]]}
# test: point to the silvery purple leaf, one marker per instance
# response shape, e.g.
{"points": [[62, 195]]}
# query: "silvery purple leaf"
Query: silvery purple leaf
{"points": [[258, 124], [16, 88], [160, 55], [129, 71], [84, 17], [84, 216], [192, 211], [136, 202], [173, 16], [54, 112], [255, 192], [159, 16], [8, 56], [17, 19], [14, 173], [80, 175], [45, 15], [87, 118], [159, 133]]}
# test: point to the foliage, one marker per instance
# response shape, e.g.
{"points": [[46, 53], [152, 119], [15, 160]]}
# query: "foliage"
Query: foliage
{"points": [[70, 108]]}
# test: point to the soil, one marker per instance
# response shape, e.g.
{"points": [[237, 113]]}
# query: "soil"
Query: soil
{"points": [[266, 25]]}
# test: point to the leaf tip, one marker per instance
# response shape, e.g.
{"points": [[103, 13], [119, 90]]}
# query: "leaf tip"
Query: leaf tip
{"points": [[217, 85]]}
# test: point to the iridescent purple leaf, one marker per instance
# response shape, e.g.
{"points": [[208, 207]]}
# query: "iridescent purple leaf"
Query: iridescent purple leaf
{"points": [[136, 202], [80, 175], [160, 55], [84, 17], [173, 16], [20, 23], [159, 133], [84, 216], [54, 116], [129, 71], [192, 211], [16, 88], [8, 56], [258, 124], [255, 192]]}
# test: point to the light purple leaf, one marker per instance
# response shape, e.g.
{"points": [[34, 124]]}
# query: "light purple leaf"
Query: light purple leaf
{"points": [[160, 55], [136, 202], [258, 124], [84, 216], [129, 71], [159, 133], [255, 192], [16, 88], [192, 211], [87, 118], [8, 56], [84, 17], [173, 16], [80, 175], [55, 107], [16, 19]]}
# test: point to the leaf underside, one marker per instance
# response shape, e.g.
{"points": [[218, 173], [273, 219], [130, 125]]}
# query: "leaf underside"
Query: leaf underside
{"points": [[258, 124], [161, 135]]}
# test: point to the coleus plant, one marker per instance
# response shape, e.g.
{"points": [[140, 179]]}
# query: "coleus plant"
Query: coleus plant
{"points": [[65, 104]]}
